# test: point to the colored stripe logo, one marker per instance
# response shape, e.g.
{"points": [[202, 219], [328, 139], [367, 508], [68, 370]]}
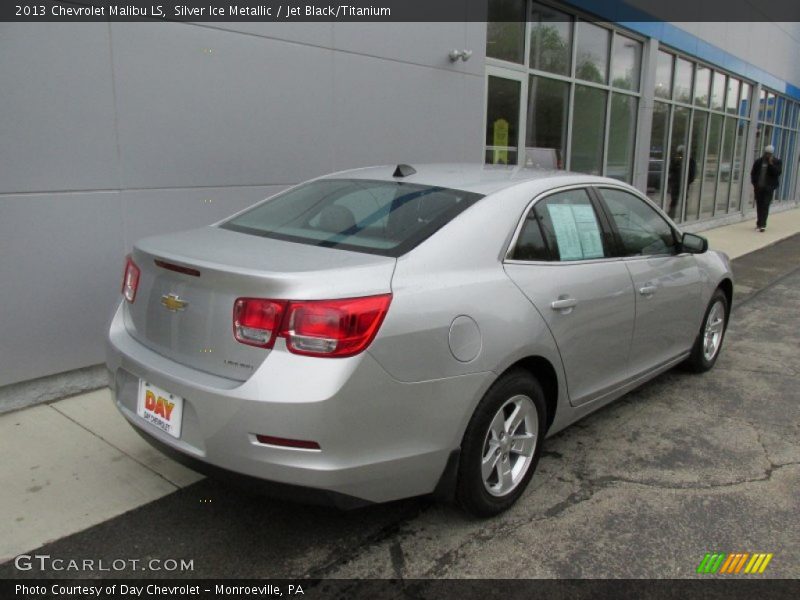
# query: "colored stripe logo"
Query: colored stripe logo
{"points": [[734, 563]]}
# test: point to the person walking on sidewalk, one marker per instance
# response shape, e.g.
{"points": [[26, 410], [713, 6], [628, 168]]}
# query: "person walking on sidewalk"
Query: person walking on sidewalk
{"points": [[764, 177]]}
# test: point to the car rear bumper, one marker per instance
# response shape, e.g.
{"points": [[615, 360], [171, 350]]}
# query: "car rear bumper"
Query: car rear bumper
{"points": [[380, 439]]}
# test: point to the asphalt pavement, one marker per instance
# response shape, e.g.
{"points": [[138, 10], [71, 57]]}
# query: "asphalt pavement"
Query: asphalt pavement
{"points": [[644, 488]]}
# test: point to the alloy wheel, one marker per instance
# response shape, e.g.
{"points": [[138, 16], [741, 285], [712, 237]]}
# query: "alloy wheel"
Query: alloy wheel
{"points": [[712, 334], [509, 445]]}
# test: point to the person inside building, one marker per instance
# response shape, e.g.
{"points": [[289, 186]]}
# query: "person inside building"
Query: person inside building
{"points": [[764, 176], [674, 180]]}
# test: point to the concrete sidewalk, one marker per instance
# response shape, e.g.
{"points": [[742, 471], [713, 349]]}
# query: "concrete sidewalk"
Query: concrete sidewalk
{"points": [[742, 238], [72, 464], [75, 462]]}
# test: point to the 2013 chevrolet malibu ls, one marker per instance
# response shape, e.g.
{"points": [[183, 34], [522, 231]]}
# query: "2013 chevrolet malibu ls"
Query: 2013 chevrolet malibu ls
{"points": [[396, 331]]}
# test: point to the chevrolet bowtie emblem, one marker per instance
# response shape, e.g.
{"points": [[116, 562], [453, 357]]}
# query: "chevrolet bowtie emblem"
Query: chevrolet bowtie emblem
{"points": [[172, 302]]}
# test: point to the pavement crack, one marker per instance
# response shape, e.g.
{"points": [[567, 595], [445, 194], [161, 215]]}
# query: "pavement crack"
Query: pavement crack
{"points": [[398, 559], [748, 424], [342, 556], [588, 489]]}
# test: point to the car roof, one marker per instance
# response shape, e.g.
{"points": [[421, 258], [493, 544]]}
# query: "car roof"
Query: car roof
{"points": [[472, 177]]}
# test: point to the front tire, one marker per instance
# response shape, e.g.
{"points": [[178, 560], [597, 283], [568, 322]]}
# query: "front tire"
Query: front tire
{"points": [[709, 340], [502, 445]]}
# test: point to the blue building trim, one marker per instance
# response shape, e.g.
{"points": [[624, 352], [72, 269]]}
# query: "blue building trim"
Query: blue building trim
{"points": [[635, 19]]}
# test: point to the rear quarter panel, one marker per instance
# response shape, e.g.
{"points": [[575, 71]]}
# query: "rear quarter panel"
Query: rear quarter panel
{"points": [[456, 272]]}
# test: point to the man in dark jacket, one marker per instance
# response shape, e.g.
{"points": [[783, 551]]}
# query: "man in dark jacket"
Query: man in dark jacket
{"points": [[764, 177]]}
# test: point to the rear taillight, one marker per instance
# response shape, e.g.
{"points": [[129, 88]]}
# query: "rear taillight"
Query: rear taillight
{"points": [[130, 281], [257, 321], [333, 328]]}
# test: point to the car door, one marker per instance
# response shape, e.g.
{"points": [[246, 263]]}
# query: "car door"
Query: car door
{"points": [[666, 281], [562, 260]]}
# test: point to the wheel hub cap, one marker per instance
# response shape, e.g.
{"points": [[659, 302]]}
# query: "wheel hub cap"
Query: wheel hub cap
{"points": [[509, 445], [714, 328]]}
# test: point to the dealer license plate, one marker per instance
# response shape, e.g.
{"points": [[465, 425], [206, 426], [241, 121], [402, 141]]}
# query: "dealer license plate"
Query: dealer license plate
{"points": [[160, 408]]}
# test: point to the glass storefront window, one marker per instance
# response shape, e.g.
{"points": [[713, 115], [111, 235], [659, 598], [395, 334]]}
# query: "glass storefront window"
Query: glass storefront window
{"points": [[683, 80], [663, 85], [626, 64], [769, 113], [505, 30], [718, 92], [658, 151], [548, 111], [621, 137], [551, 40], [779, 103], [762, 105], [744, 100], [789, 172], [502, 120], [741, 172], [711, 166], [702, 85], [790, 114], [770, 136], [587, 130], [777, 140], [573, 101], [732, 105], [592, 52], [725, 165], [676, 190], [763, 137], [697, 149]]}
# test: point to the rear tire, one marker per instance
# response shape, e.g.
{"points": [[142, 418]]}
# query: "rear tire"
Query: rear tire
{"points": [[502, 445], [709, 340]]}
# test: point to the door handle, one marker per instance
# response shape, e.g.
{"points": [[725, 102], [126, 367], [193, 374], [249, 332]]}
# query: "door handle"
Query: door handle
{"points": [[648, 290], [565, 304]]}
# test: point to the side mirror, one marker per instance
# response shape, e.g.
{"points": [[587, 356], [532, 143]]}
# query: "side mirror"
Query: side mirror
{"points": [[694, 244]]}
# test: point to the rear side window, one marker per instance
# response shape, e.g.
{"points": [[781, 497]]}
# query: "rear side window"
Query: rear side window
{"points": [[642, 231], [378, 217], [564, 227], [530, 244]]}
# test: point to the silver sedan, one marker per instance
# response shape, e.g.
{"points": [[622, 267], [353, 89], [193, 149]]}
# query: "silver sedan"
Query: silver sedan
{"points": [[396, 331]]}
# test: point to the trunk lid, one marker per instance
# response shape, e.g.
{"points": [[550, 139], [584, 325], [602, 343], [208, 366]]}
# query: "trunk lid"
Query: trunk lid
{"points": [[189, 318]]}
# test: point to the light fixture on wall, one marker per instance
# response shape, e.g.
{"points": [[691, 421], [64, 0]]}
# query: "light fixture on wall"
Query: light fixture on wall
{"points": [[462, 54]]}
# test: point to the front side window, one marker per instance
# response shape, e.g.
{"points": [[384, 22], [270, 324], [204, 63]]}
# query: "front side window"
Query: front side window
{"points": [[642, 231], [568, 226], [378, 217]]}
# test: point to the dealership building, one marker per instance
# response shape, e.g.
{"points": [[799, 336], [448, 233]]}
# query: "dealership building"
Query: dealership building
{"points": [[110, 132]]}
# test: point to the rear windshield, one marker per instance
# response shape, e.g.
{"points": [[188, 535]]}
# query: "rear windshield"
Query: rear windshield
{"points": [[378, 217]]}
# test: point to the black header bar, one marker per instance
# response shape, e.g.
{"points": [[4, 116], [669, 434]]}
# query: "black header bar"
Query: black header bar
{"points": [[387, 10]]}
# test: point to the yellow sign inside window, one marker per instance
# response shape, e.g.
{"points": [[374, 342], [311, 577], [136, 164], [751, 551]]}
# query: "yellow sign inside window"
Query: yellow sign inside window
{"points": [[500, 138]]}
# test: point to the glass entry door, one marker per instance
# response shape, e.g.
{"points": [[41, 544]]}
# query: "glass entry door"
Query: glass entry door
{"points": [[504, 92]]}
